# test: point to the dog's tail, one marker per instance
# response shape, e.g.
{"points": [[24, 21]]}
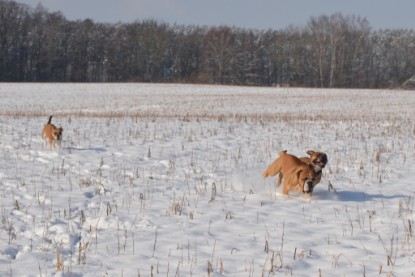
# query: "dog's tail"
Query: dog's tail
{"points": [[50, 120], [282, 153]]}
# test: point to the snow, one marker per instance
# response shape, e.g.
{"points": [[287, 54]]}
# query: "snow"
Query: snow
{"points": [[165, 180]]}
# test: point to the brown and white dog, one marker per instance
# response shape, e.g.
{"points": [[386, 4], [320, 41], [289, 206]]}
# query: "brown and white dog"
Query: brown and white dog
{"points": [[317, 161], [298, 176], [53, 133]]}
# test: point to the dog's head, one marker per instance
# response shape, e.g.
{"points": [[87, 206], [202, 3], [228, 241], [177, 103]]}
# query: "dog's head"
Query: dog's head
{"points": [[57, 133], [317, 159], [306, 180]]}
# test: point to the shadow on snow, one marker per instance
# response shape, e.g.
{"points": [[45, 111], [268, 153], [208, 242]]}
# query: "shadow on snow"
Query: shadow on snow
{"points": [[95, 149], [355, 196]]}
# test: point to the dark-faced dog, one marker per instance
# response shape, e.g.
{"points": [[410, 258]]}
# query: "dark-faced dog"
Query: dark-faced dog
{"points": [[317, 161]]}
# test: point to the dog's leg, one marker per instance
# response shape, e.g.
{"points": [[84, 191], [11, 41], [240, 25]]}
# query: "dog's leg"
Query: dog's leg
{"points": [[278, 180], [51, 143], [273, 169], [44, 138], [285, 189]]}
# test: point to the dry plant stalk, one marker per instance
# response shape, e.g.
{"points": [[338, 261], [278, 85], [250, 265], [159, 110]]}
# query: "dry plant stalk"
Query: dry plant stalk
{"points": [[272, 262], [221, 269], [209, 269], [336, 261], [213, 195], [59, 260]]}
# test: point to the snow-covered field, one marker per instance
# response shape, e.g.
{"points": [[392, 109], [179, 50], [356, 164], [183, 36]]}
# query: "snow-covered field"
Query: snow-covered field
{"points": [[165, 180]]}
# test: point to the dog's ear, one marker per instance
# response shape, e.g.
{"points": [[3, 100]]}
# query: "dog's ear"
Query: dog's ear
{"points": [[294, 179], [310, 152], [298, 173]]}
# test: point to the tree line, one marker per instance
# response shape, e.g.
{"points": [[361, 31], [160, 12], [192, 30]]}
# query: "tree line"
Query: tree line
{"points": [[330, 51]]}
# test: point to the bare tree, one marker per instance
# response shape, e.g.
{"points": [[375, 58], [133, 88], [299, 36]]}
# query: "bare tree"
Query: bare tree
{"points": [[14, 29], [331, 51], [218, 54], [319, 28]]}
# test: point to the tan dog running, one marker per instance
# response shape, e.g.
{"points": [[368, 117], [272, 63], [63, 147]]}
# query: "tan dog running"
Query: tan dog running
{"points": [[317, 161], [297, 175], [53, 133]]}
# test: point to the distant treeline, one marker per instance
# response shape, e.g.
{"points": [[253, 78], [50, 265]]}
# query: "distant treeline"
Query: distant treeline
{"points": [[331, 51]]}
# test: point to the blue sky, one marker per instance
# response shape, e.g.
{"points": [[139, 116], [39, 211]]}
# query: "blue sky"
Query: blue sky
{"points": [[256, 14]]}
